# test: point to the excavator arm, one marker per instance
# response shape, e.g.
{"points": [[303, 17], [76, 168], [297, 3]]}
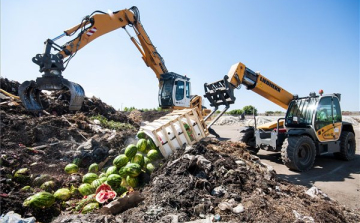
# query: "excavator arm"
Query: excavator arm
{"points": [[101, 23], [91, 27]]}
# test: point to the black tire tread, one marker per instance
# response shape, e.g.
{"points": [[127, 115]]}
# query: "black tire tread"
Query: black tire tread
{"points": [[344, 138], [246, 137], [289, 150]]}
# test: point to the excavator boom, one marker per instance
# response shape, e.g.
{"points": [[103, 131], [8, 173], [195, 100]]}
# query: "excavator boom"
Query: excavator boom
{"points": [[91, 27]]}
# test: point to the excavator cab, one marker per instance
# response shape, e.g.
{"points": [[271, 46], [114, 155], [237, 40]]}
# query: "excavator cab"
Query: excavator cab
{"points": [[51, 65], [174, 90]]}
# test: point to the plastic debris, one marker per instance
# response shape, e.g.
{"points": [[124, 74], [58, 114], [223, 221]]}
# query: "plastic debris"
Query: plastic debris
{"points": [[12, 217]]}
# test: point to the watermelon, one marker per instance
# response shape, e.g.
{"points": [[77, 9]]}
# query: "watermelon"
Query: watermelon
{"points": [[63, 194], [141, 145], [104, 193], [122, 172], [89, 178], [120, 161], [146, 160], [93, 168], [120, 190], [102, 175], [132, 181], [114, 180], [71, 168], [40, 200], [90, 207], [133, 169], [48, 186], [151, 144], [96, 183], [153, 154], [150, 168], [139, 159], [141, 135], [86, 189], [111, 170], [22, 175], [130, 151]]}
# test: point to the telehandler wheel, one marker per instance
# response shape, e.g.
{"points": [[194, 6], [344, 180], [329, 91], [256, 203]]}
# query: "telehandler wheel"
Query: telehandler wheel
{"points": [[298, 153], [247, 137], [347, 146]]}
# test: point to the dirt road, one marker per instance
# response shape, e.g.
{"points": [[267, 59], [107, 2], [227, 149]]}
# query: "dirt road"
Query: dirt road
{"points": [[338, 179]]}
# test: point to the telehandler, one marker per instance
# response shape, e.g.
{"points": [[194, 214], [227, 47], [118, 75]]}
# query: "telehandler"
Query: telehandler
{"points": [[312, 125]]}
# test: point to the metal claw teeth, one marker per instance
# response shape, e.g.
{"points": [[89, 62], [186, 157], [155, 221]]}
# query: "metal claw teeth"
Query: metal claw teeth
{"points": [[30, 96], [29, 92]]}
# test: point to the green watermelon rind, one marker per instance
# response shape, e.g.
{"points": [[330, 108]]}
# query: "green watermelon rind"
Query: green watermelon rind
{"points": [[111, 170], [139, 159], [153, 155], [130, 151], [86, 189], [40, 200], [120, 161], [114, 180], [89, 178], [151, 144], [141, 135], [141, 145], [132, 181], [133, 169]]}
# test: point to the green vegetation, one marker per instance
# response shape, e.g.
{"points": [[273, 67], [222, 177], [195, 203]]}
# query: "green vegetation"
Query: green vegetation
{"points": [[270, 113], [235, 112], [248, 110], [104, 122]]}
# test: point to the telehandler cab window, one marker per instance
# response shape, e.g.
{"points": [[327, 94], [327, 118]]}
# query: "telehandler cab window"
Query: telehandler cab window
{"points": [[324, 115], [300, 112], [336, 110]]}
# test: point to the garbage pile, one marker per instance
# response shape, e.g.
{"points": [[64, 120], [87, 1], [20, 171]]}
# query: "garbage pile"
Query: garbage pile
{"points": [[211, 181]]}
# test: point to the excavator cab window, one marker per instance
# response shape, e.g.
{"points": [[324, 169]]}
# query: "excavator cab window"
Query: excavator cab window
{"points": [[180, 90], [166, 93], [187, 89]]}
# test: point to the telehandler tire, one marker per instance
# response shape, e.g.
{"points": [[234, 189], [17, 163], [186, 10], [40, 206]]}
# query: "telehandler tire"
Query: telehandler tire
{"points": [[347, 146], [247, 137], [298, 153]]}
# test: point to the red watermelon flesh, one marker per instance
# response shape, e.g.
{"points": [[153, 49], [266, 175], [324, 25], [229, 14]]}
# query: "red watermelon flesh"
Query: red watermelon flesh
{"points": [[104, 193]]}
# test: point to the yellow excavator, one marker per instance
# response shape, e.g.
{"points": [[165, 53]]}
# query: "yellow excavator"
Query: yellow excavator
{"points": [[312, 125], [174, 89]]}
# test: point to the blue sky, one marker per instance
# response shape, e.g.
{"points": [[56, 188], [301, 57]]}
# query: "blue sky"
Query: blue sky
{"points": [[302, 46]]}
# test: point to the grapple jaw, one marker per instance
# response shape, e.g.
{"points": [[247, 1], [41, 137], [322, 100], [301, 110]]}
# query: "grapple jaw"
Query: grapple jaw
{"points": [[29, 91]]}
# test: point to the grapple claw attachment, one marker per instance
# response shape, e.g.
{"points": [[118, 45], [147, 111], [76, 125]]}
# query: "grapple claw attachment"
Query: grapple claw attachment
{"points": [[29, 96], [29, 91]]}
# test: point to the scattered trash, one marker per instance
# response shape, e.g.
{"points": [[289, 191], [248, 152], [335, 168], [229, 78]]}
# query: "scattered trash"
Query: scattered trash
{"points": [[301, 218], [12, 217]]}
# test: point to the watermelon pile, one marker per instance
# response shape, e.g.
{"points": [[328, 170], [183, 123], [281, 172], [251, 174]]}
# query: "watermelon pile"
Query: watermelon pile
{"points": [[99, 186]]}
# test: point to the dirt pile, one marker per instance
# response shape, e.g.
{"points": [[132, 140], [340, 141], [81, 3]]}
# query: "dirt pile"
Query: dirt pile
{"points": [[222, 178], [210, 180]]}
